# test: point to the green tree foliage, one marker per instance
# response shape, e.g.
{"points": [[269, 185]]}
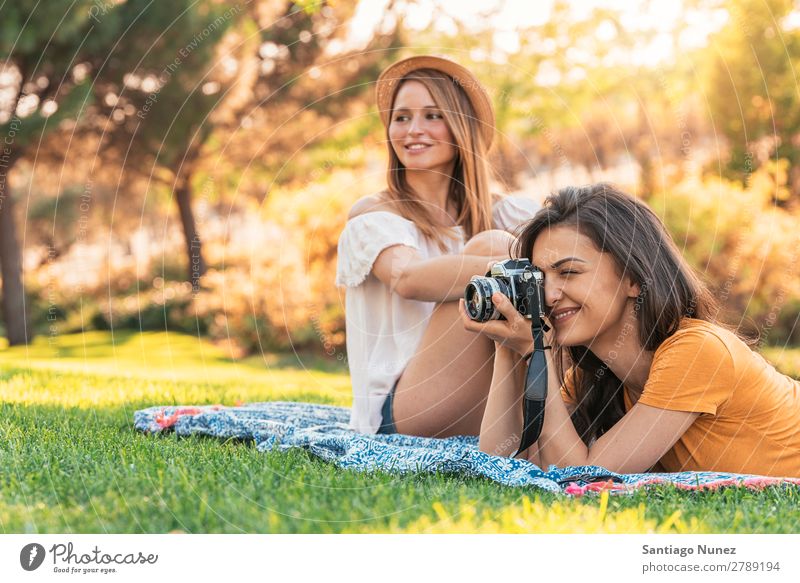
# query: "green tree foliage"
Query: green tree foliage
{"points": [[160, 86], [141, 60], [746, 247], [752, 85], [149, 83], [39, 49]]}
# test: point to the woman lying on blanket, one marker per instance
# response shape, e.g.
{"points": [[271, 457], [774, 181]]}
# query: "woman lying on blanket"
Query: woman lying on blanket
{"points": [[640, 375], [407, 253]]}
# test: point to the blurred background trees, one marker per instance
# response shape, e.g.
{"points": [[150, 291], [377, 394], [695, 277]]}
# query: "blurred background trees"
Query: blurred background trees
{"points": [[189, 166], [39, 82], [753, 88]]}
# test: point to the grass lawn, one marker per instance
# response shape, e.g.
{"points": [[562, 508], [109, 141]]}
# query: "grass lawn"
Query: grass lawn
{"points": [[70, 460]]}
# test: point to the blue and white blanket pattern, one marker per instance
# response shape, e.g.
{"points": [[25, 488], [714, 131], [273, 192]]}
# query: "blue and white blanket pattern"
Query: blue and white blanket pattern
{"points": [[323, 431]]}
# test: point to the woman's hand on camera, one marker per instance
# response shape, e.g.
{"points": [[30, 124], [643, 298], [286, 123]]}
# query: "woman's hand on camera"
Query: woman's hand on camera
{"points": [[513, 333]]}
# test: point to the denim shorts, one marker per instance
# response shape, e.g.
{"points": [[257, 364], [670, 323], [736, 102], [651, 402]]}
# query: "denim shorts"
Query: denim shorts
{"points": [[387, 413]]}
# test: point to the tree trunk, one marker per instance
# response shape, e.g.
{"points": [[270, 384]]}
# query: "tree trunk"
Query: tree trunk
{"points": [[16, 323], [194, 246]]}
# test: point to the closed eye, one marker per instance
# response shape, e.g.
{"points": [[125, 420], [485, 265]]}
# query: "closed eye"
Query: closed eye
{"points": [[568, 272]]}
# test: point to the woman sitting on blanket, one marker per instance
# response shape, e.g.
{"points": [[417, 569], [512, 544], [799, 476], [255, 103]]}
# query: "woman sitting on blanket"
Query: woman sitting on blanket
{"points": [[407, 253], [640, 375]]}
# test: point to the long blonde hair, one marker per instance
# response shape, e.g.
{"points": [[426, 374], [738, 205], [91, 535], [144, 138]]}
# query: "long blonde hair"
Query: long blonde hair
{"points": [[469, 184]]}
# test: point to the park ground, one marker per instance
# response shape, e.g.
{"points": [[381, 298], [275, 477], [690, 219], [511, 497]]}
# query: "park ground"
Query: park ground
{"points": [[71, 462]]}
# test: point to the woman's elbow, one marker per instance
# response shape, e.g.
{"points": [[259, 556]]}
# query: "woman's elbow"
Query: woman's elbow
{"points": [[409, 285], [405, 288]]}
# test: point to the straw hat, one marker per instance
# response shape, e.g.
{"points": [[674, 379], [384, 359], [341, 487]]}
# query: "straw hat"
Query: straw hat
{"points": [[387, 85]]}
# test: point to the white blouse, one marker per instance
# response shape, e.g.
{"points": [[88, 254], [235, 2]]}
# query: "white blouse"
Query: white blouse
{"points": [[384, 329]]}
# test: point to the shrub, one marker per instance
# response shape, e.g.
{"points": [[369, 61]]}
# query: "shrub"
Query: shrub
{"points": [[747, 247]]}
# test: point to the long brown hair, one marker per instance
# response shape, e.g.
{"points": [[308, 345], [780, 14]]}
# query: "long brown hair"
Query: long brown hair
{"points": [[469, 184], [643, 250]]}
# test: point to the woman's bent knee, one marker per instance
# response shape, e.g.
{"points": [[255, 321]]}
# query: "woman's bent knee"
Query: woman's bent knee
{"points": [[493, 242]]}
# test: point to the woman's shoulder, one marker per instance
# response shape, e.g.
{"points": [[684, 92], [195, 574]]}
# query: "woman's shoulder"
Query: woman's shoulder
{"points": [[697, 327], [702, 339], [378, 202], [373, 220]]}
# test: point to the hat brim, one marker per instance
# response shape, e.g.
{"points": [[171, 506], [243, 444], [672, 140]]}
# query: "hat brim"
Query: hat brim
{"points": [[391, 77]]}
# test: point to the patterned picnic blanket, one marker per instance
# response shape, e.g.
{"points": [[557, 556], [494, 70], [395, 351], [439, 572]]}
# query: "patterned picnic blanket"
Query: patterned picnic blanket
{"points": [[323, 431]]}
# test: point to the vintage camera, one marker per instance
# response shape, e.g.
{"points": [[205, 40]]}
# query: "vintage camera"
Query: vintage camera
{"points": [[517, 279]]}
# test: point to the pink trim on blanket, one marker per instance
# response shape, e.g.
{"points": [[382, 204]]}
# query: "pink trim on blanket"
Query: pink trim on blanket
{"points": [[164, 421], [750, 483]]}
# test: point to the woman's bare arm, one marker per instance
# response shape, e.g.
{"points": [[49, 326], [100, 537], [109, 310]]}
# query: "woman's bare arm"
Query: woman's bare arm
{"points": [[439, 279], [501, 427], [633, 445]]}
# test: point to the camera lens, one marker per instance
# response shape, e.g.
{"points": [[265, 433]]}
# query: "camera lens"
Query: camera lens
{"points": [[478, 298]]}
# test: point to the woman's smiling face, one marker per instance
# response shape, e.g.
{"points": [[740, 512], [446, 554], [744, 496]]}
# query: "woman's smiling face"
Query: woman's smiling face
{"points": [[418, 132], [586, 298]]}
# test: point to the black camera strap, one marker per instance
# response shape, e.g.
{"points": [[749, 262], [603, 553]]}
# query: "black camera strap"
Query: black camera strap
{"points": [[533, 402]]}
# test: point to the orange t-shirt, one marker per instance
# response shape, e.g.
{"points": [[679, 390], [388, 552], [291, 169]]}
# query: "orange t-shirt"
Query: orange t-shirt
{"points": [[749, 418]]}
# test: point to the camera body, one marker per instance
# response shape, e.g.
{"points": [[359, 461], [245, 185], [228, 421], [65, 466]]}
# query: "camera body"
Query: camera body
{"points": [[518, 280]]}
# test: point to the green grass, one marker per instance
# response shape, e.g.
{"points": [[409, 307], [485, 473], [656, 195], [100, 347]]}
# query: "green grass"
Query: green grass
{"points": [[71, 462]]}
